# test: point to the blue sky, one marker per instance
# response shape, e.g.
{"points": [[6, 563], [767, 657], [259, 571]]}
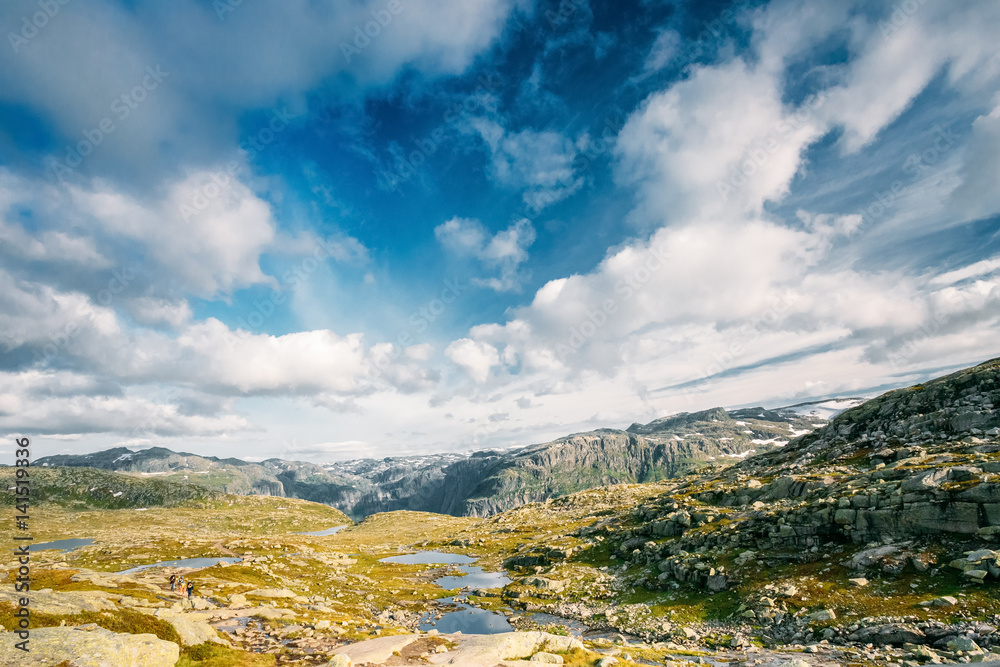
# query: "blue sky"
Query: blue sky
{"points": [[326, 230]]}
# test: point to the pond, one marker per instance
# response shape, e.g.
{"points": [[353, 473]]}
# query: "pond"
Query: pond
{"points": [[64, 546], [323, 533], [429, 558], [474, 577], [194, 563], [466, 619]]}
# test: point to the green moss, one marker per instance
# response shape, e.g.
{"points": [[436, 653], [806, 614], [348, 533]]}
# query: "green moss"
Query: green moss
{"points": [[121, 620], [215, 655]]}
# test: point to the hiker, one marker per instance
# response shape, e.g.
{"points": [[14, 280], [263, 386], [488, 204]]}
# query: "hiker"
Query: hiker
{"points": [[190, 589], [173, 581]]}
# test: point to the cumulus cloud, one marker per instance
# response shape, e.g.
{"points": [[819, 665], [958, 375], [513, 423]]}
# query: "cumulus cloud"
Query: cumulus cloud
{"points": [[506, 250], [718, 143], [476, 358], [240, 59], [537, 163], [723, 286]]}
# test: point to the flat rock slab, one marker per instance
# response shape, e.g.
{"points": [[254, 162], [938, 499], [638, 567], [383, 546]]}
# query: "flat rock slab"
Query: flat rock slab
{"points": [[192, 627], [59, 603], [88, 648], [509, 649]]}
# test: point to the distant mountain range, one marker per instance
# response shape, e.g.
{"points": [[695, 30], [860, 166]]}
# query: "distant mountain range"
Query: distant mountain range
{"points": [[486, 482]]}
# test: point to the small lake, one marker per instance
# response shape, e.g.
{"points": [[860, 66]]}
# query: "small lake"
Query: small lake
{"points": [[63, 545], [429, 558], [196, 563], [328, 531], [466, 619], [474, 577]]}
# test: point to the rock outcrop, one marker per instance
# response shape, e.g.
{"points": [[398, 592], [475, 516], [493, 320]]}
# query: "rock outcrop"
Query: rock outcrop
{"points": [[88, 647], [504, 649]]}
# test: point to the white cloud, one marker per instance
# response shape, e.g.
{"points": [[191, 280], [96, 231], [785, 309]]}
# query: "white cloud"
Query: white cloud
{"points": [[897, 57], [978, 196], [215, 251], [476, 358], [718, 143], [151, 311], [253, 57], [506, 250], [538, 163]]}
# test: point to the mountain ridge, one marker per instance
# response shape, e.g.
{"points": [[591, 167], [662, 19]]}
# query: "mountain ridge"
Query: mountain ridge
{"points": [[483, 483]]}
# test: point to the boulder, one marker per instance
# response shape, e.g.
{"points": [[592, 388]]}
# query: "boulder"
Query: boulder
{"points": [[889, 633], [238, 601], [95, 647], [548, 658], [962, 644]]}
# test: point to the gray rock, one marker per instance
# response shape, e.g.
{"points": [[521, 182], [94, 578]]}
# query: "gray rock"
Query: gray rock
{"points": [[88, 648]]}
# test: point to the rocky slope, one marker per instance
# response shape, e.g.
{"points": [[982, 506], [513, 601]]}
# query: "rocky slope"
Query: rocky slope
{"points": [[881, 528], [486, 482], [102, 489]]}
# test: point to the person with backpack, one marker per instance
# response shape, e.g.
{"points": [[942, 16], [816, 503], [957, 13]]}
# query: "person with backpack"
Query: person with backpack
{"points": [[173, 581], [190, 589]]}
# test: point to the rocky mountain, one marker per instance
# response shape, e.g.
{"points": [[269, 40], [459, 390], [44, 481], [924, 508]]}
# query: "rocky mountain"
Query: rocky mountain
{"points": [[486, 482], [102, 489], [902, 487]]}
